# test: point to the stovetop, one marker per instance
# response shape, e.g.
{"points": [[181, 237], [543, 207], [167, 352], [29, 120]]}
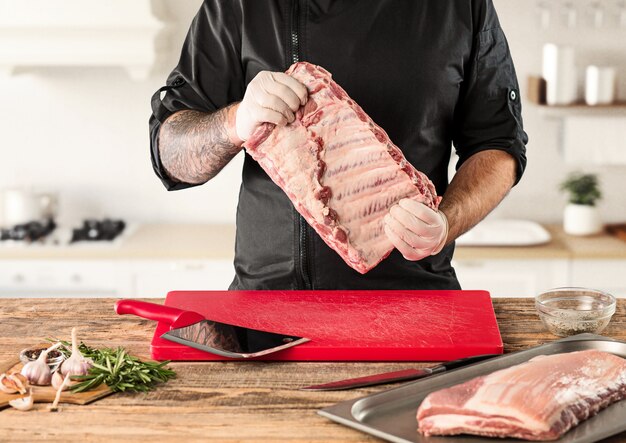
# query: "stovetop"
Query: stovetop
{"points": [[47, 233], [98, 230], [28, 232]]}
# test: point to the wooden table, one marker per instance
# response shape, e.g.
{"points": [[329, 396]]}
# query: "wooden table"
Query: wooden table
{"points": [[219, 401]]}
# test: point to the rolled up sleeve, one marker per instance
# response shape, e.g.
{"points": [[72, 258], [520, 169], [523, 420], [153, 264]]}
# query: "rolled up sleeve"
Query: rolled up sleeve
{"points": [[208, 77], [489, 111]]}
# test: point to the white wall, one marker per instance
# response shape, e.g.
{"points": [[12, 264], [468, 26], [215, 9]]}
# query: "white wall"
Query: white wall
{"points": [[83, 133], [537, 195]]}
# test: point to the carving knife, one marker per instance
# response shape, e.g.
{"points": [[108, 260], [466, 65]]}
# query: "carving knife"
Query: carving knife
{"points": [[396, 376], [193, 329]]}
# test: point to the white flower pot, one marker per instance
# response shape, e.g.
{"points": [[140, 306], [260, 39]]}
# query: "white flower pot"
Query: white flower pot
{"points": [[581, 220]]}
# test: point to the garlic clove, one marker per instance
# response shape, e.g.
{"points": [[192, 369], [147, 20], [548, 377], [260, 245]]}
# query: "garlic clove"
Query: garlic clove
{"points": [[57, 382], [20, 377], [24, 403], [20, 381], [7, 385], [64, 382]]}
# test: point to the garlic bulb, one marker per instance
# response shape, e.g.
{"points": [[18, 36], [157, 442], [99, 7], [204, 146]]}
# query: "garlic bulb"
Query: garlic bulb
{"points": [[25, 403], [76, 364], [38, 372]]}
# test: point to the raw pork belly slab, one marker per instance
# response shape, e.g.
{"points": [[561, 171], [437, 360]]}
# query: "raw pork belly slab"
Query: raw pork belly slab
{"points": [[537, 400], [339, 169]]}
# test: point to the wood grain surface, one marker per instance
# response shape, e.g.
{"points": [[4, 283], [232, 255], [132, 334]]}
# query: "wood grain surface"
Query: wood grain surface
{"points": [[219, 401]]}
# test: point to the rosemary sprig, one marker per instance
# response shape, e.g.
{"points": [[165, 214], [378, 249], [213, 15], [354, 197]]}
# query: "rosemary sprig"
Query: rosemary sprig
{"points": [[118, 370]]}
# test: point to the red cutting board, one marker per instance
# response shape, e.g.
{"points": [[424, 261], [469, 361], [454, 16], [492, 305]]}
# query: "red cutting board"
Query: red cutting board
{"points": [[348, 325]]}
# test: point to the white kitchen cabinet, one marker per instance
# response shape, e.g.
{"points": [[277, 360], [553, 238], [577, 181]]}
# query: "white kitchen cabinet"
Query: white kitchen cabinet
{"points": [[512, 278], [80, 33], [606, 275], [156, 278], [64, 278], [110, 278]]}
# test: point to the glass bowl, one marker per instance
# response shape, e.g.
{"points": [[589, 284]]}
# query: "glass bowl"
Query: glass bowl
{"points": [[54, 360], [570, 311]]}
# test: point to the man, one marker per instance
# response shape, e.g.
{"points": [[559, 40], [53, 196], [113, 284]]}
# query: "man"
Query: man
{"points": [[430, 72]]}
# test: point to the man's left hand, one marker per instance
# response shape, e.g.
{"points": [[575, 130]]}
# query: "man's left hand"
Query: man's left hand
{"points": [[416, 230]]}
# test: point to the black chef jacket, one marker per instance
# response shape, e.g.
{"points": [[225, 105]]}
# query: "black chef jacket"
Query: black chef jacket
{"points": [[432, 73]]}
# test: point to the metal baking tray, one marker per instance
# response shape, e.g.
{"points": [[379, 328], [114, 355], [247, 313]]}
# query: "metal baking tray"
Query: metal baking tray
{"points": [[391, 415]]}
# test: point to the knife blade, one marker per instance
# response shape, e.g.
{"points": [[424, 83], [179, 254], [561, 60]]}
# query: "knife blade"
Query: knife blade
{"points": [[193, 329], [396, 376]]}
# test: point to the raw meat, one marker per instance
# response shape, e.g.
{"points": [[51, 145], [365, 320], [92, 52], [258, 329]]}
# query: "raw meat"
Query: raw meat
{"points": [[537, 400], [339, 169]]}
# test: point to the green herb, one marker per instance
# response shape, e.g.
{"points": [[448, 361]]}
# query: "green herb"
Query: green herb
{"points": [[583, 189], [118, 370]]}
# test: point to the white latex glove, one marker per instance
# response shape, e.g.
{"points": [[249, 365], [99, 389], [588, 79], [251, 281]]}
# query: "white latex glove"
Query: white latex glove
{"points": [[416, 230], [271, 97]]}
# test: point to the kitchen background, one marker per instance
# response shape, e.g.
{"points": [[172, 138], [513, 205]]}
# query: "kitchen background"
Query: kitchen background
{"points": [[80, 131]]}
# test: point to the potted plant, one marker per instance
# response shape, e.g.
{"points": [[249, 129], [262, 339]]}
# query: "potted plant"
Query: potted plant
{"points": [[581, 216]]}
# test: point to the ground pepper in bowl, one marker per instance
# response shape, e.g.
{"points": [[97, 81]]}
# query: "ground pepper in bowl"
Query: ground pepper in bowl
{"points": [[33, 354], [55, 357]]}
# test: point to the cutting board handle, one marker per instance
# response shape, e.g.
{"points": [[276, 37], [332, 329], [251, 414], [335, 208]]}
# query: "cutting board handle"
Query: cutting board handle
{"points": [[176, 318]]}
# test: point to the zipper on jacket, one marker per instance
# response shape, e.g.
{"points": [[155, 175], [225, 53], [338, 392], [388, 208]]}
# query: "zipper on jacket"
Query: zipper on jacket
{"points": [[303, 265], [295, 32]]}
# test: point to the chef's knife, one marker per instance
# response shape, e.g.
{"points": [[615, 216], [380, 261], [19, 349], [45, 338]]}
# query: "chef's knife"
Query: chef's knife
{"points": [[396, 376], [192, 329]]}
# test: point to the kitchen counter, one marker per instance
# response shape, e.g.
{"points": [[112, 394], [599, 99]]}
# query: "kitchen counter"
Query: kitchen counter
{"points": [[562, 245], [601, 246], [220, 401], [150, 241], [216, 242]]}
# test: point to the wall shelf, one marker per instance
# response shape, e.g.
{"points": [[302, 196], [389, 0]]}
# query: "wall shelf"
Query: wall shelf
{"points": [[582, 109]]}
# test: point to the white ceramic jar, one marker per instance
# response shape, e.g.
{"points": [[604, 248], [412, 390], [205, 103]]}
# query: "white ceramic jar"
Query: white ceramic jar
{"points": [[600, 85], [559, 72]]}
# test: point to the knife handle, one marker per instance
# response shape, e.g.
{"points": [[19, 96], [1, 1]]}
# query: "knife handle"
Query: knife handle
{"points": [[176, 318], [467, 361]]}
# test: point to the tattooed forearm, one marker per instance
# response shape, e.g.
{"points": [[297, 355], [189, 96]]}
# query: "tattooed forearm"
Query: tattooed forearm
{"points": [[195, 146]]}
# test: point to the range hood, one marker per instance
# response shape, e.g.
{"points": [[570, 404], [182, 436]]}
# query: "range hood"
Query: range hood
{"points": [[79, 33]]}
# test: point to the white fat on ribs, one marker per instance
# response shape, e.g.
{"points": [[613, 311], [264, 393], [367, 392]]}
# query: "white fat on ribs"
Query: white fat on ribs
{"points": [[537, 400], [340, 169]]}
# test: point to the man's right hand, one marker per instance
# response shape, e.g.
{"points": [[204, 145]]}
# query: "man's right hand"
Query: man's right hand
{"points": [[271, 97]]}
